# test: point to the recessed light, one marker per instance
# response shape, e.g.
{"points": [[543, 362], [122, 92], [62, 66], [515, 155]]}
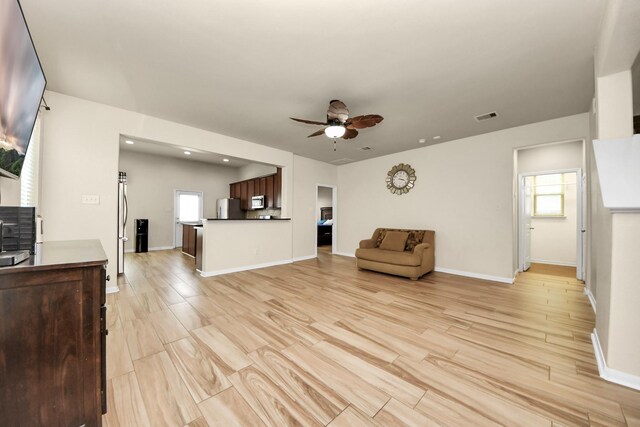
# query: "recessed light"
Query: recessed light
{"points": [[128, 141], [422, 141], [187, 153], [437, 137], [225, 160]]}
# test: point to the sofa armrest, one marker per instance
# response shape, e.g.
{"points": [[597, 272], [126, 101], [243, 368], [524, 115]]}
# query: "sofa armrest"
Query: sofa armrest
{"points": [[367, 244], [420, 248]]}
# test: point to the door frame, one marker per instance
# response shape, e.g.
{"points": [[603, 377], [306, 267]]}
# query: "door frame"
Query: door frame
{"points": [[334, 211], [580, 218], [175, 209]]}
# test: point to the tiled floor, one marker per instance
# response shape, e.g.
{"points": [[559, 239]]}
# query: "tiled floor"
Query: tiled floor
{"points": [[320, 343]]}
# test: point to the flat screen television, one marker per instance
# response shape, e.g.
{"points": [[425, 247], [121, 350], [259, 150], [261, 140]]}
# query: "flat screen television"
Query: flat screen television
{"points": [[22, 84]]}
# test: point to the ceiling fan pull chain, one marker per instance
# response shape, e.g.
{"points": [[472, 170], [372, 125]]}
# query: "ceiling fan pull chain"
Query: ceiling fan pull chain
{"points": [[334, 144]]}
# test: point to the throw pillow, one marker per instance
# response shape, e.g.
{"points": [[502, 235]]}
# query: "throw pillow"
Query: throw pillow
{"points": [[415, 238], [394, 241]]}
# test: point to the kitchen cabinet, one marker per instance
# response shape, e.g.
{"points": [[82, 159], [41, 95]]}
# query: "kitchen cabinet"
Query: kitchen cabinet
{"points": [[234, 190], [269, 186], [244, 195], [53, 337], [250, 193], [189, 239]]}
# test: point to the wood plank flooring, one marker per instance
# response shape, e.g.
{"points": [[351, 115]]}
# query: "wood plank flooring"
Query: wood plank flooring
{"points": [[320, 343]]}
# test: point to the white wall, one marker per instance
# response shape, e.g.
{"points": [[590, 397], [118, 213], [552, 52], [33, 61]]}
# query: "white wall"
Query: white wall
{"points": [[80, 146], [553, 239], [254, 170], [9, 192], [307, 175], [325, 199], [614, 240], [464, 191], [551, 157], [151, 184]]}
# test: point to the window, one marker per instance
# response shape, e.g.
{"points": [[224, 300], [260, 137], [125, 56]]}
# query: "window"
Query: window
{"points": [[29, 175], [189, 207], [548, 195]]}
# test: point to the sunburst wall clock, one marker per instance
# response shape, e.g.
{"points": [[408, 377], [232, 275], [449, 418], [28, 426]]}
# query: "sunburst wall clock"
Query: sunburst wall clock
{"points": [[401, 179]]}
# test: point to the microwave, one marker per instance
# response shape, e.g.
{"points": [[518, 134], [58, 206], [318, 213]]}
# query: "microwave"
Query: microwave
{"points": [[257, 202]]}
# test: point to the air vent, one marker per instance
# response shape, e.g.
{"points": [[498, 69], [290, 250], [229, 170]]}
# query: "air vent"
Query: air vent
{"points": [[341, 161], [486, 116], [366, 148]]}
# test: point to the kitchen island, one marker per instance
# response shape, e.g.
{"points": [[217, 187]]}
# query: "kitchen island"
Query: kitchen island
{"points": [[231, 245]]}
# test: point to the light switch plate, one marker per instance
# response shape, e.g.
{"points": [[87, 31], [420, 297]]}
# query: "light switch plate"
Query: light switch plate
{"points": [[90, 199]]}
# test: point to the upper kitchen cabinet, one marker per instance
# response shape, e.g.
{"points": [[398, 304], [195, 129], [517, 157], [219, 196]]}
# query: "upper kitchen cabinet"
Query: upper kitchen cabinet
{"points": [[269, 186]]}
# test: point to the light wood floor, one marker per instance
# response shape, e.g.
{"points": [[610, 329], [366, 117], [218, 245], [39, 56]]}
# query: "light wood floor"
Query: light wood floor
{"points": [[320, 343]]}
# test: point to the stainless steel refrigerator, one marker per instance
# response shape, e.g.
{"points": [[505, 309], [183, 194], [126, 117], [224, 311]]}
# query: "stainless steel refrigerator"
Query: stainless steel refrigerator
{"points": [[122, 218], [229, 209]]}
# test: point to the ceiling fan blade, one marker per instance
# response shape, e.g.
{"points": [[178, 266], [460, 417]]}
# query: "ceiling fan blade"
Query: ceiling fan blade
{"points": [[337, 111], [310, 122], [366, 121], [317, 133], [350, 134]]}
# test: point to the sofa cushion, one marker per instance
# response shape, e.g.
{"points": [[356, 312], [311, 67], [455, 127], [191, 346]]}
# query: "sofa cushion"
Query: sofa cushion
{"points": [[391, 257], [394, 241], [415, 237]]}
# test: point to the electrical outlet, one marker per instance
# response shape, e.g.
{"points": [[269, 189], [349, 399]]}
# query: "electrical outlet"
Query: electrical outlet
{"points": [[90, 199]]}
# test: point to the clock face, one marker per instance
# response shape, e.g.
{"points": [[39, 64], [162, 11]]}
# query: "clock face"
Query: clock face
{"points": [[401, 178]]}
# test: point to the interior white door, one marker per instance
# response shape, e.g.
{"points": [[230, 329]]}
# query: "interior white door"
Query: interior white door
{"points": [[188, 208], [581, 252], [526, 207]]}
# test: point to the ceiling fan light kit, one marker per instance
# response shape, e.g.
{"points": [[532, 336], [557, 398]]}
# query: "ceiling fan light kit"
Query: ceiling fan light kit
{"points": [[339, 125], [335, 131]]}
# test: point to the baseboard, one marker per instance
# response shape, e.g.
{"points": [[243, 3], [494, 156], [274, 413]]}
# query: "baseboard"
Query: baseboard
{"points": [[344, 254], [244, 268], [508, 280], [544, 261], [112, 289], [609, 374], [592, 299], [304, 258], [155, 248]]}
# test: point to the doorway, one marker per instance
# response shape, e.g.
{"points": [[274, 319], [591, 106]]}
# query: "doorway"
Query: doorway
{"points": [[325, 219], [550, 206], [551, 220], [188, 207]]}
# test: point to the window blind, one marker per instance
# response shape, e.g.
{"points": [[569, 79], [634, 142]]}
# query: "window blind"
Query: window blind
{"points": [[30, 168]]}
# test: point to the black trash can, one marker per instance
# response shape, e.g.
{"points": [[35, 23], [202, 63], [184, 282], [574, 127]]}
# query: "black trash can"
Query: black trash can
{"points": [[142, 235]]}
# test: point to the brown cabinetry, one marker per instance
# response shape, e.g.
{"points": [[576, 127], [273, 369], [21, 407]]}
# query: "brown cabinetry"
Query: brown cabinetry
{"points": [[189, 239], [269, 186], [269, 191], [53, 337], [234, 190]]}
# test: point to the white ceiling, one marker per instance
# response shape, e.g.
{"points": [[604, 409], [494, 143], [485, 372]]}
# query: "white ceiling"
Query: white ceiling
{"points": [[178, 152], [241, 68]]}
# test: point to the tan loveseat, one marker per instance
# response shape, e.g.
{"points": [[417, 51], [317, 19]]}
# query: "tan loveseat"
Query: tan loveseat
{"points": [[384, 252]]}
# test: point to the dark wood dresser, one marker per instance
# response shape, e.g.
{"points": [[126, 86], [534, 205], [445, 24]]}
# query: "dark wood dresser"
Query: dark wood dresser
{"points": [[53, 337]]}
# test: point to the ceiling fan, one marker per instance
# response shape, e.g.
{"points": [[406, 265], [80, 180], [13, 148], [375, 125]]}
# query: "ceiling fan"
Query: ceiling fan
{"points": [[339, 124]]}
